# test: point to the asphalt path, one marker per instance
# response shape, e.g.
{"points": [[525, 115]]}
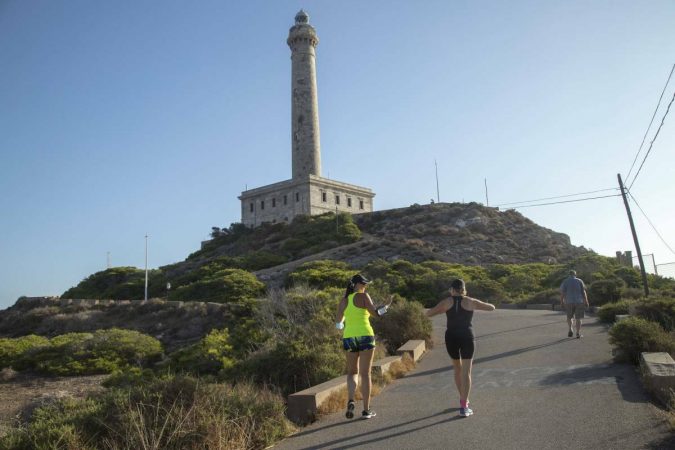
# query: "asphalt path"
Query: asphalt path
{"points": [[533, 388]]}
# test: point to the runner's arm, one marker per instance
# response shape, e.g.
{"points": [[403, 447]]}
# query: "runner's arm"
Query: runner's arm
{"points": [[368, 304], [340, 315], [440, 308], [481, 306]]}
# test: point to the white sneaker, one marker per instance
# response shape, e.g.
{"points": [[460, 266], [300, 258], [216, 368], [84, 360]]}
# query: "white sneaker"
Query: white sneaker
{"points": [[465, 412]]}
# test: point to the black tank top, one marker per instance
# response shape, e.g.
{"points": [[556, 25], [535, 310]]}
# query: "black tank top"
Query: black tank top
{"points": [[459, 319]]}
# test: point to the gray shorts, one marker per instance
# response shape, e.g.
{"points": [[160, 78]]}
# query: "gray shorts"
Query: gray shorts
{"points": [[575, 310]]}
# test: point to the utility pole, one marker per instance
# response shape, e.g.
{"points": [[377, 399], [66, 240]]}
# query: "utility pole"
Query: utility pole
{"points": [[146, 267], [635, 238], [487, 200], [438, 195]]}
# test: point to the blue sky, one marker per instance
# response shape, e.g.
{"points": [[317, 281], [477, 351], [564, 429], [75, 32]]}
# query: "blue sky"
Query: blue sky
{"points": [[123, 118]]}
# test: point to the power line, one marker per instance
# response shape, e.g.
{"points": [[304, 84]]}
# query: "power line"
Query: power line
{"points": [[559, 196], [652, 143], [650, 122], [567, 201], [650, 223]]}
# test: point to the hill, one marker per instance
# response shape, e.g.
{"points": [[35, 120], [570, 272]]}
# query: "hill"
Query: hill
{"points": [[462, 233]]}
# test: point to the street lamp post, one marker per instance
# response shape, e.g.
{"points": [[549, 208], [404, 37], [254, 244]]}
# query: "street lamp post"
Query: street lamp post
{"points": [[146, 267], [168, 289]]}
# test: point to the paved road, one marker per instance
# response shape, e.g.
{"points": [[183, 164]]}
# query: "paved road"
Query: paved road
{"points": [[534, 388]]}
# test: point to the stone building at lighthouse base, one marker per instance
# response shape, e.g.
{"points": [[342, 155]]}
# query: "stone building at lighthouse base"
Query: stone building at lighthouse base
{"points": [[281, 202]]}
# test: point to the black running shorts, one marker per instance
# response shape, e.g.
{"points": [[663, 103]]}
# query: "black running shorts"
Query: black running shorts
{"points": [[459, 346]]}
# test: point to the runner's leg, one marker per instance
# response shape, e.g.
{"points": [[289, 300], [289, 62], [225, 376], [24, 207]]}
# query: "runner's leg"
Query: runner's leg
{"points": [[466, 379], [352, 373], [365, 363], [457, 369]]}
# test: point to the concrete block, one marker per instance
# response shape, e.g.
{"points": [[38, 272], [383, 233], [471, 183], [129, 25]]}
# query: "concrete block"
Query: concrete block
{"points": [[302, 406], [658, 370], [414, 348], [383, 365]]}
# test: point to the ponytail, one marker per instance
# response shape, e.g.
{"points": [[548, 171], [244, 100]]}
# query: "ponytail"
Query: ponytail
{"points": [[350, 288]]}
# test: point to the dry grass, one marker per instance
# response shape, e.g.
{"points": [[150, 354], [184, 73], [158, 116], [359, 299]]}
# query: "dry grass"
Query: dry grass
{"points": [[338, 399], [670, 413]]}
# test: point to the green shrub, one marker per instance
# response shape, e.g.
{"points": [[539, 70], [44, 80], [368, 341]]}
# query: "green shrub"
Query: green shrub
{"points": [[660, 310], [489, 291], [103, 351], [321, 274], [294, 364], [303, 348], [405, 320], [224, 286], [635, 335], [171, 413], [605, 291], [11, 350], [608, 312], [211, 355], [629, 275], [543, 297], [122, 283]]}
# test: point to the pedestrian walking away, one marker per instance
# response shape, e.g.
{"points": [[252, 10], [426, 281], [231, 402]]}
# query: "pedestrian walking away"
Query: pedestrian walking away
{"points": [[574, 300], [459, 338], [358, 340]]}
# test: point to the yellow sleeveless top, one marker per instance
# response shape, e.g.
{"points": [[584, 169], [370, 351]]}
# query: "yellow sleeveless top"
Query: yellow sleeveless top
{"points": [[357, 320]]}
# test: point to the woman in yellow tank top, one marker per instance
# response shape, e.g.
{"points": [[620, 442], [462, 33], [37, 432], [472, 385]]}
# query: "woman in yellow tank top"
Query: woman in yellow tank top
{"points": [[358, 339]]}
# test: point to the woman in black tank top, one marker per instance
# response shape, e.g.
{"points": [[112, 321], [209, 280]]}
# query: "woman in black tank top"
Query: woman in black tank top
{"points": [[458, 309]]}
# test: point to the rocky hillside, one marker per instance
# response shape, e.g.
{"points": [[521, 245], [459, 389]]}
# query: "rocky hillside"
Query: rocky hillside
{"points": [[464, 233], [467, 233]]}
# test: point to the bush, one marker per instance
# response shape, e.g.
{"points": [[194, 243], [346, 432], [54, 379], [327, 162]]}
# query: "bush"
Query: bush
{"points": [[608, 312], [635, 335], [303, 347], [103, 351], [629, 275], [404, 321], [295, 364], [489, 291], [321, 274], [11, 350], [173, 413], [544, 297], [212, 355], [660, 310], [605, 291], [122, 283], [223, 286]]}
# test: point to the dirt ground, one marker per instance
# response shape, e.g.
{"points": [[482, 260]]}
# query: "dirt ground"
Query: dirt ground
{"points": [[23, 391]]}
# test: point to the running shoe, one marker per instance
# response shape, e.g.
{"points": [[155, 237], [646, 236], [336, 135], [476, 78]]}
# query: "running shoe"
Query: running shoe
{"points": [[579, 336], [465, 412], [350, 409], [367, 414], [570, 334]]}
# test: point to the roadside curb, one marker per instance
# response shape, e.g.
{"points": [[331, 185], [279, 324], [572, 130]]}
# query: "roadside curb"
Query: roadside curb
{"points": [[303, 405]]}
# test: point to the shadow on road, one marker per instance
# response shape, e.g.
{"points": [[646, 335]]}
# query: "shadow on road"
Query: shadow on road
{"points": [[517, 351], [342, 442], [623, 375], [557, 322]]}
